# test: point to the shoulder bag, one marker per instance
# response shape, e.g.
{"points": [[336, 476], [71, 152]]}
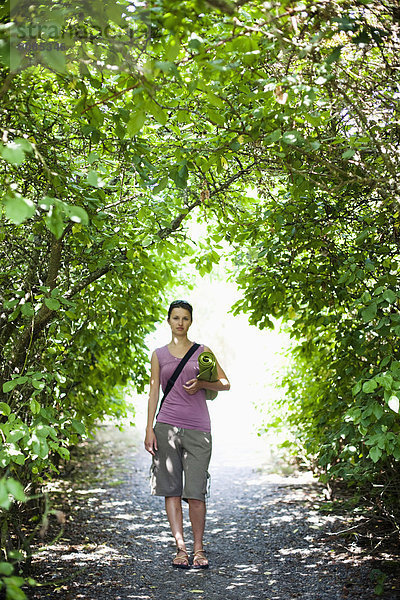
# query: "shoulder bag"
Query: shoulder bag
{"points": [[177, 372]]}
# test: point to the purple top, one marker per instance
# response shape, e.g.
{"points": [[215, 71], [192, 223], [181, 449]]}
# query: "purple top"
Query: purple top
{"points": [[181, 409]]}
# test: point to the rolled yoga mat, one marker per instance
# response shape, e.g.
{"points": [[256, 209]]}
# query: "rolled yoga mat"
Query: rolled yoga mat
{"points": [[208, 372]]}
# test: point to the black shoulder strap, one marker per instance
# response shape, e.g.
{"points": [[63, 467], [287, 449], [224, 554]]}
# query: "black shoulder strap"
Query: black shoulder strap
{"points": [[176, 373]]}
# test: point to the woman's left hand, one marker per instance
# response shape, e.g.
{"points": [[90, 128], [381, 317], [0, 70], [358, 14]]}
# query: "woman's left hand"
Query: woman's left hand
{"points": [[192, 386]]}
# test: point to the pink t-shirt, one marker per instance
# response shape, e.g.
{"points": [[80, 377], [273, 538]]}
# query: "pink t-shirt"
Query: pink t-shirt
{"points": [[181, 409]]}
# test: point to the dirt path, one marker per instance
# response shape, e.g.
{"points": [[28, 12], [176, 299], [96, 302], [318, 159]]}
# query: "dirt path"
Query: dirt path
{"points": [[266, 537]]}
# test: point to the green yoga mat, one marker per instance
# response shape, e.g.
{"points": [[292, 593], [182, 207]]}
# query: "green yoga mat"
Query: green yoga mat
{"points": [[208, 372]]}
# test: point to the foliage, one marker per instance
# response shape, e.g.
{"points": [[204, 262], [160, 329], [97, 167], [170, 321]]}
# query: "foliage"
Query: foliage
{"points": [[86, 264], [11, 491], [321, 248], [278, 121]]}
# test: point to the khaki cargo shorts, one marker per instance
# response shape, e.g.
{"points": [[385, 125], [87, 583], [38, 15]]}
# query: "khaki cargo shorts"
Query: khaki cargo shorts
{"points": [[180, 465]]}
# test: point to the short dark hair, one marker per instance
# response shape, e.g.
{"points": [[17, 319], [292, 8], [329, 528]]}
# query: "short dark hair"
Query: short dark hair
{"points": [[180, 304]]}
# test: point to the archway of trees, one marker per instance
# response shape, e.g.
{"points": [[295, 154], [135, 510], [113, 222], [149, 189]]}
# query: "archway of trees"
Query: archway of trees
{"points": [[277, 125]]}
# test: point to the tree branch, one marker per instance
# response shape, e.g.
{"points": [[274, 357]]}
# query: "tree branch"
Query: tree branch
{"points": [[88, 280], [115, 95], [175, 224], [44, 314], [54, 263]]}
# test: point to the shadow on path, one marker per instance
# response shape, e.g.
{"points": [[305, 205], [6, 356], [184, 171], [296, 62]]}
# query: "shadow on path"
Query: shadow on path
{"points": [[266, 538]]}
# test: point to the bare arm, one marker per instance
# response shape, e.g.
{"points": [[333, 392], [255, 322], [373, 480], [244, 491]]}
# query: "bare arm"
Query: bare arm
{"points": [[221, 385], [150, 442]]}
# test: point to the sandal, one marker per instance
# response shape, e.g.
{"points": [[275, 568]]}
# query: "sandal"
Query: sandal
{"points": [[181, 560], [200, 555]]}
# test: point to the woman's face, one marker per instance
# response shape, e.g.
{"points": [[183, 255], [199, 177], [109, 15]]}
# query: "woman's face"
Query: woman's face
{"points": [[179, 321]]}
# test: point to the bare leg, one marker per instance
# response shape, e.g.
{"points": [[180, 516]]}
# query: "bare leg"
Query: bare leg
{"points": [[197, 514], [173, 506]]}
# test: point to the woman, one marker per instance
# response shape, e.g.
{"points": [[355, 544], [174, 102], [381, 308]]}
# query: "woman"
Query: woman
{"points": [[180, 441]]}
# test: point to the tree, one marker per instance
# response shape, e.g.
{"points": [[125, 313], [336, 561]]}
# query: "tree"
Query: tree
{"points": [[86, 263], [119, 125], [321, 249]]}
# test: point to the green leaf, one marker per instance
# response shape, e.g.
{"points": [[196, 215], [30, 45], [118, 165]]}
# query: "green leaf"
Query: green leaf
{"points": [[27, 309], [389, 296], [120, 131], [315, 121], [375, 453], [378, 290], [158, 113], [394, 367], [274, 136], [44, 449], [148, 240], [55, 59], [54, 220], [215, 100], [15, 435], [363, 236], [63, 452], [348, 153], [78, 426], [34, 406], [334, 56], [164, 65], [115, 13], [13, 586], [77, 213], [16, 581], [180, 176], [172, 49], [18, 209], [39, 385], [369, 313], [6, 568], [161, 186], [215, 117], [369, 386], [5, 408], [46, 202], [292, 137], [377, 410], [369, 265], [8, 386], [13, 152], [52, 303], [362, 37], [93, 156], [394, 404], [386, 380], [16, 489], [71, 315], [37, 375], [94, 179], [136, 122], [195, 43], [14, 592], [5, 501]]}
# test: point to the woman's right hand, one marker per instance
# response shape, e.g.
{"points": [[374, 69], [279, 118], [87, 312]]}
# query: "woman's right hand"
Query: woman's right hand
{"points": [[150, 442]]}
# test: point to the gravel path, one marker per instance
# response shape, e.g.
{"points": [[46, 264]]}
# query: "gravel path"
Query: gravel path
{"points": [[266, 537]]}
